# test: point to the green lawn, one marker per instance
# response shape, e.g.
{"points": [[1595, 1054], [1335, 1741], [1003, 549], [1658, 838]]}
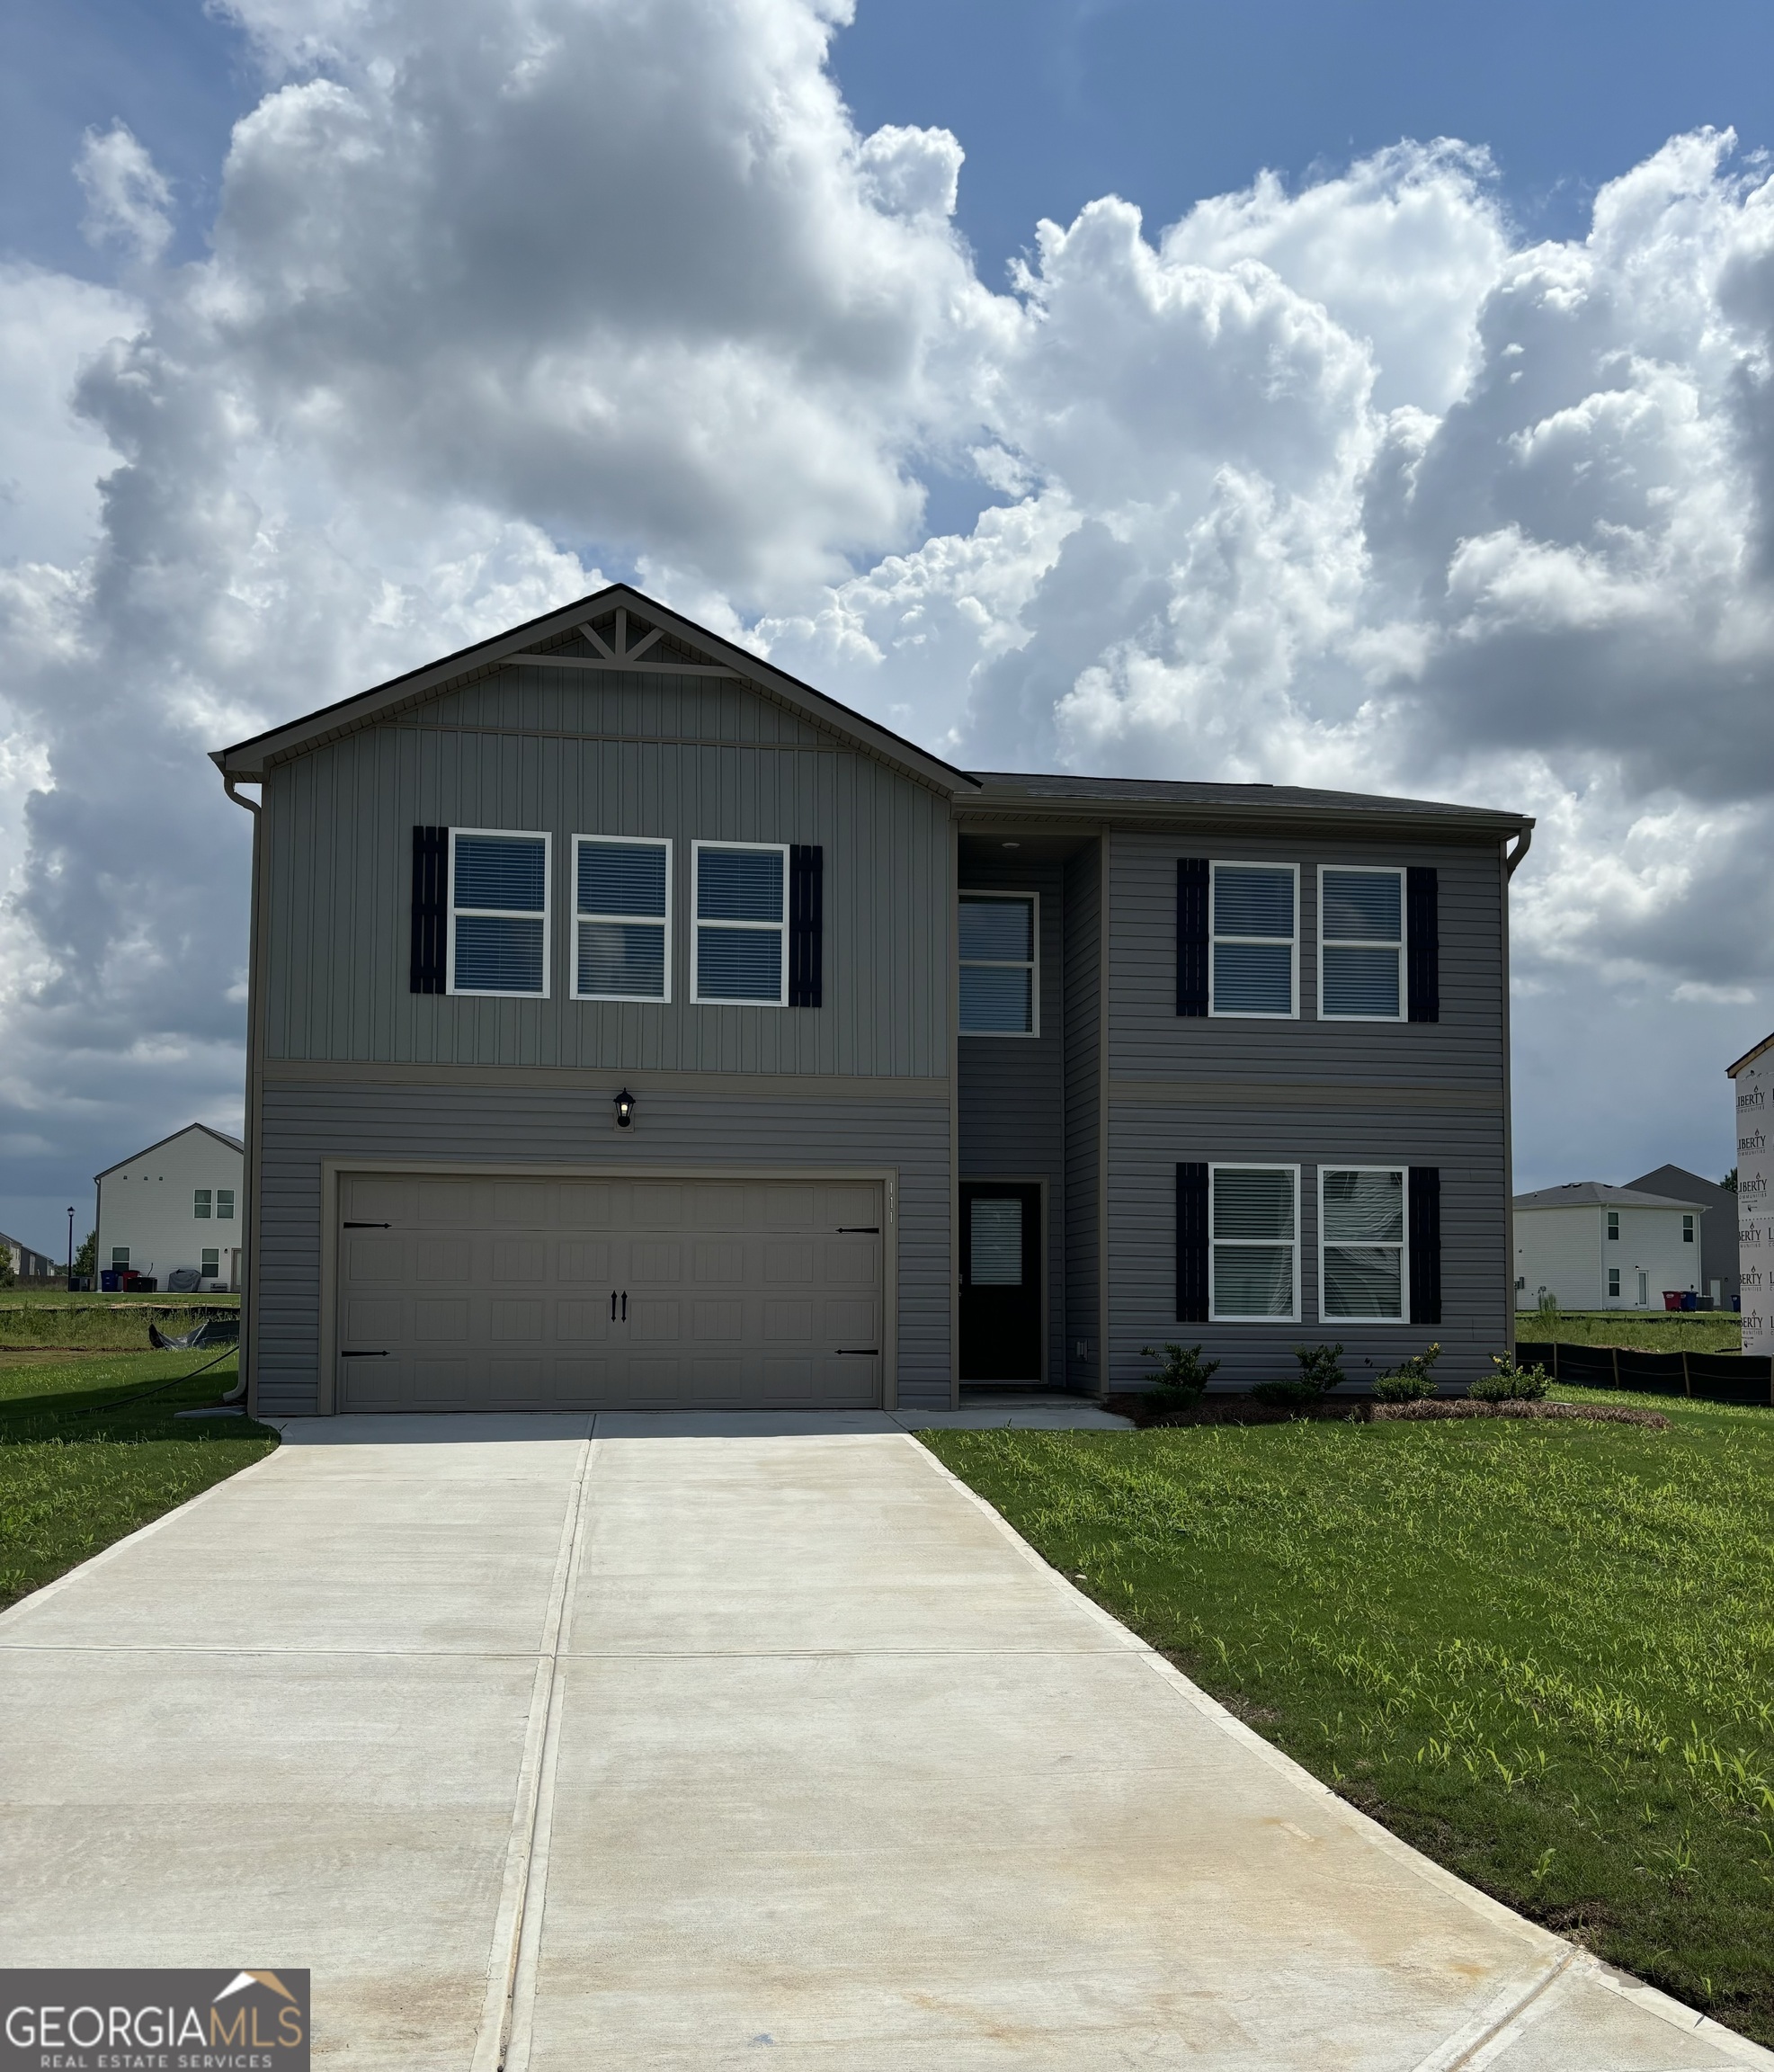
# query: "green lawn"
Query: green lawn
{"points": [[1543, 1653], [1653, 1331], [76, 1474], [52, 1316]]}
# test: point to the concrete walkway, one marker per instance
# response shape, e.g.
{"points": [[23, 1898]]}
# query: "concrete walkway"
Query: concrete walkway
{"points": [[664, 1742]]}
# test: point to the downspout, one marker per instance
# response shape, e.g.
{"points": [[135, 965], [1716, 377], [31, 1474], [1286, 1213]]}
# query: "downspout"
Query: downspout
{"points": [[1512, 856], [1524, 842], [250, 1179]]}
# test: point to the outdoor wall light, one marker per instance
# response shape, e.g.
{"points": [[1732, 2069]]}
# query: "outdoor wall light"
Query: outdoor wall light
{"points": [[625, 1110]]}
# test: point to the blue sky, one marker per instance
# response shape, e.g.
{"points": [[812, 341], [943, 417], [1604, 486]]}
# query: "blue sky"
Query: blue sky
{"points": [[1392, 478]]}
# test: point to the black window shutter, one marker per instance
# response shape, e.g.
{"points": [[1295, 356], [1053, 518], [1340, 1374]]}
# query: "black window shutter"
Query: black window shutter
{"points": [[1422, 939], [807, 928], [430, 907], [1425, 1245], [1191, 1244], [1191, 937]]}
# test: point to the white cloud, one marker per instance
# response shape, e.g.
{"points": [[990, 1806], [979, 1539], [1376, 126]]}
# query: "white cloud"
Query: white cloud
{"points": [[1341, 486]]}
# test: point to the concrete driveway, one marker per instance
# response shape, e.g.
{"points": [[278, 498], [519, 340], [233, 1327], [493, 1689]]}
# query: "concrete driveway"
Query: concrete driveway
{"points": [[674, 1741]]}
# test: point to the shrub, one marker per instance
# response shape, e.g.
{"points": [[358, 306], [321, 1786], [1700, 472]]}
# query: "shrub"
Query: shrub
{"points": [[1547, 1307], [1182, 1375], [1511, 1383], [1301, 1395], [1411, 1381], [1320, 1368]]}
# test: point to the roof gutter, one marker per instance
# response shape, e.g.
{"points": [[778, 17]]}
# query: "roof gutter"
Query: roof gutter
{"points": [[1524, 842]]}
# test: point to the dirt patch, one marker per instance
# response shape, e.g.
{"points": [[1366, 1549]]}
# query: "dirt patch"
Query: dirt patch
{"points": [[1139, 1409]]}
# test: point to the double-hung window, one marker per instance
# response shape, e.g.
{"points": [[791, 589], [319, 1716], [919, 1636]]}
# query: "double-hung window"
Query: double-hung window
{"points": [[1360, 944], [1363, 1275], [999, 932], [199, 1206], [1687, 1229], [741, 956], [1253, 1221], [498, 912], [224, 1204], [1255, 963], [621, 918], [212, 1261]]}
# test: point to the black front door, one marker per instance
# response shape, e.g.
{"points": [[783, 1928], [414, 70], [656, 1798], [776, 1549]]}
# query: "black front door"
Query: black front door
{"points": [[1001, 1282]]}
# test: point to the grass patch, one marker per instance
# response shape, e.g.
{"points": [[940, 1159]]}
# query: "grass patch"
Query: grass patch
{"points": [[80, 1466], [30, 1317], [1657, 1331], [1541, 1652]]}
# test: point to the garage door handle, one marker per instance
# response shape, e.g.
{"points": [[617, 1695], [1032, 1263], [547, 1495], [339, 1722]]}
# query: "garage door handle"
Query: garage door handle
{"points": [[368, 1226], [859, 1230], [858, 1352], [363, 1356]]}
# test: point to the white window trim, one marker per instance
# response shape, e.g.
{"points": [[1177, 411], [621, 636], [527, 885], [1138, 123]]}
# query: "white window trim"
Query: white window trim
{"points": [[202, 1204], [1250, 1165], [697, 924], [1354, 1166], [1032, 965], [1221, 1013], [1613, 1275], [640, 920], [224, 1215], [504, 914], [1357, 943]]}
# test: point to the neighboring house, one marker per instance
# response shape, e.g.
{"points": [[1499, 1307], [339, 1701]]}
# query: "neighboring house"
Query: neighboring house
{"points": [[27, 1264], [1592, 1246], [179, 1204], [1752, 1089], [633, 1025], [1719, 1226]]}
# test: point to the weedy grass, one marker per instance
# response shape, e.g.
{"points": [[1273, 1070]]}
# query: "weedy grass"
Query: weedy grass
{"points": [[34, 1317], [81, 1464], [1541, 1652], [1652, 1331]]}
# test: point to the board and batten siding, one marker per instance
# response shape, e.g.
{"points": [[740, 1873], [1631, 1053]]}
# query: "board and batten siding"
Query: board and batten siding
{"points": [[686, 758], [1012, 1089], [1083, 896], [511, 1126], [1307, 1093]]}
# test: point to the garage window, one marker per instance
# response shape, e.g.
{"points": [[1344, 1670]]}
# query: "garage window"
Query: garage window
{"points": [[622, 928], [498, 912], [741, 920]]}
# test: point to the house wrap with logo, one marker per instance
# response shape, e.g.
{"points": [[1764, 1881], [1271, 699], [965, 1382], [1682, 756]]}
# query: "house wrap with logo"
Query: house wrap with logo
{"points": [[1752, 1078]]}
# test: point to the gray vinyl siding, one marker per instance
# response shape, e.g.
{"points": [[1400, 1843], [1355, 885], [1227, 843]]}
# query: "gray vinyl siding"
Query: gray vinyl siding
{"points": [[1147, 1142], [1414, 1093], [1012, 1089], [1083, 976], [499, 1126], [687, 759]]}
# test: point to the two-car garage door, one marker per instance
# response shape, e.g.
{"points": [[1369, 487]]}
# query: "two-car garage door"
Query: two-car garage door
{"points": [[475, 1292]]}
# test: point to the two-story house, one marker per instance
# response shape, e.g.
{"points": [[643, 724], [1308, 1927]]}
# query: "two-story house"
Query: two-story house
{"points": [[633, 1025]]}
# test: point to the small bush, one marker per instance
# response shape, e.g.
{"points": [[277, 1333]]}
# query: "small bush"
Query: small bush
{"points": [[1511, 1383], [1300, 1396], [1411, 1381], [1320, 1368], [1182, 1375], [1547, 1307]]}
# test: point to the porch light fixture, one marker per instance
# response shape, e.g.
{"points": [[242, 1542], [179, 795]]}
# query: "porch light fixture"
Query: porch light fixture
{"points": [[625, 1110]]}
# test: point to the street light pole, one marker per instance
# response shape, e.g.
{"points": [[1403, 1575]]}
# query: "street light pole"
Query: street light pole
{"points": [[70, 1249]]}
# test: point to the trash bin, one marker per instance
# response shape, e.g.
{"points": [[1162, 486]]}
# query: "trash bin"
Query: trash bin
{"points": [[1690, 1300], [1671, 1298], [111, 1280]]}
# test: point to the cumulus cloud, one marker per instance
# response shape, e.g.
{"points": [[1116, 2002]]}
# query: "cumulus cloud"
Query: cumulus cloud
{"points": [[1343, 484]]}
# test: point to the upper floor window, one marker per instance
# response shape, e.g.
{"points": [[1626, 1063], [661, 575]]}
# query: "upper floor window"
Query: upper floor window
{"points": [[498, 912], [999, 931], [199, 1206], [621, 918], [1362, 1273], [1253, 1218], [741, 920], [1361, 944], [1254, 947], [225, 1203], [1614, 1224], [1687, 1229]]}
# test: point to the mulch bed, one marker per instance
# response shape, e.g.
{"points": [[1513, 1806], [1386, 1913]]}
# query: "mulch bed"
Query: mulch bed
{"points": [[1230, 1409]]}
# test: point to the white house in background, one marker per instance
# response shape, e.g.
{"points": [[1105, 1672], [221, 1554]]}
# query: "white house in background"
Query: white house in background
{"points": [[175, 1206], [1598, 1247]]}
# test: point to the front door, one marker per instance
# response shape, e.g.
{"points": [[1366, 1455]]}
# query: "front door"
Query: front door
{"points": [[1001, 1318]]}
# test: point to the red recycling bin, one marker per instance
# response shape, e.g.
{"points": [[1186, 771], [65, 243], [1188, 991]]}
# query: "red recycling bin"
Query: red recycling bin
{"points": [[1671, 1298]]}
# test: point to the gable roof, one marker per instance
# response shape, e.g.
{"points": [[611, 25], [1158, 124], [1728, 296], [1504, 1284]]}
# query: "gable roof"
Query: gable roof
{"points": [[1576, 1193], [221, 1136], [1676, 1181], [1161, 798], [692, 650], [1748, 1058]]}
